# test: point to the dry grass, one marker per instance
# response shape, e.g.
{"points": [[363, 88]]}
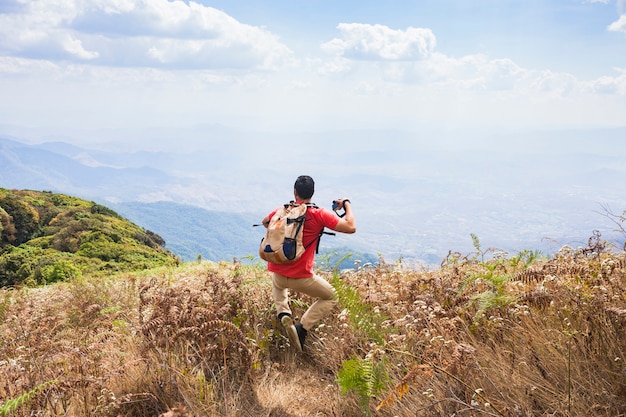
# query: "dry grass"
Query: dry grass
{"points": [[472, 338]]}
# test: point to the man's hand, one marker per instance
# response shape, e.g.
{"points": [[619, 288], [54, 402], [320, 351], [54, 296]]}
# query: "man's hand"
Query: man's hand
{"points": [[338, 204], [347, 223]]}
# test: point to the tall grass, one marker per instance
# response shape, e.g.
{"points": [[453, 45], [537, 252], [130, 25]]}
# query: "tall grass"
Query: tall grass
{"points": [[202, 339]]}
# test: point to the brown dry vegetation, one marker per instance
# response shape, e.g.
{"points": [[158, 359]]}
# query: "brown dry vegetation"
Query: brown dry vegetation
{"points": [[506, 337]]}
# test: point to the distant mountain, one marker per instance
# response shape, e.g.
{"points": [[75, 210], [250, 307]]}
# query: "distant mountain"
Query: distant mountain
{"points": [[192, 231], [417, 196], [47, 167]]}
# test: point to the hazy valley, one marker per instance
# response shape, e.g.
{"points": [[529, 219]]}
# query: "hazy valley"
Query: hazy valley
{"points": [[416, 196]]}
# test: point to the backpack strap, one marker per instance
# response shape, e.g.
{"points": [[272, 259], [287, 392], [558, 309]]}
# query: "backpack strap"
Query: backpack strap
{"points": [[291, 203], [318, 237]]}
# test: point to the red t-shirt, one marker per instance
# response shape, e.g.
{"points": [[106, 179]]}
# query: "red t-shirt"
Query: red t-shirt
{"points": [[316, 220]]}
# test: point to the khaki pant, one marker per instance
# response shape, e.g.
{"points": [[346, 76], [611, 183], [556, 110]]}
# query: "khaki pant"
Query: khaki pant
{"points": [[315, 287]]}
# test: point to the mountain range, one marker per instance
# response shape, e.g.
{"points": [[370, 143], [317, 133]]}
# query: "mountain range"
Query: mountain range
{"points": [[416, 197]]}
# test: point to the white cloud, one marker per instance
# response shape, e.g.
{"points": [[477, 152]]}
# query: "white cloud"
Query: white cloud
{"points": [[337, 66], [16, 66], [378, 42], [409, 57], [475, 72], [619, 25], [157, 33], [559, 84], [75, 47], [371, 58], [119, 62], [610, 85]]}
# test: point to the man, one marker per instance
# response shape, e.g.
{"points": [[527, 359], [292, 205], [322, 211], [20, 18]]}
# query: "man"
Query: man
{"points": [[299, 276]]}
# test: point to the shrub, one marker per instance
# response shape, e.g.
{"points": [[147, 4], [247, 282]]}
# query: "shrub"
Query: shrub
{"points": [[100, 209], [24, 217], [62, 270]]}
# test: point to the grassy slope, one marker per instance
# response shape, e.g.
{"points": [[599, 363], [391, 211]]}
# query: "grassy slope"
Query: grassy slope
{"points": [[501, 338], [47, 237]]}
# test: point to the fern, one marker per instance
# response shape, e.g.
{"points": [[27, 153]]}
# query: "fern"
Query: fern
{"points": [[526, 257], [362, 317], [366, 377], [4, 306], [489, 300], [476, 244], [13, 405], [493, 297]]}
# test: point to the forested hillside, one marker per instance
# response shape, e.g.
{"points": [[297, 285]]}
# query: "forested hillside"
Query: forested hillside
{"points": [[47, 237]]}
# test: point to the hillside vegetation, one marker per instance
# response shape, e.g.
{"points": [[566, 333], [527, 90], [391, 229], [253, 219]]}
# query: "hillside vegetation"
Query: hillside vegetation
{"points": [[47, 237], [483, 335]]}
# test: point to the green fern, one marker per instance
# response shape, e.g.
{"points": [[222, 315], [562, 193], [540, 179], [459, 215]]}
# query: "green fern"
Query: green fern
{"points": [[526, 257], [493, 297], [366, 377], [489, 300], [4, 306], [476, 244], [361, 315], [11, 406]]}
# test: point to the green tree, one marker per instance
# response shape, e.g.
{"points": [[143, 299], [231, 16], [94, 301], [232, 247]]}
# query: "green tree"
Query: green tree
{"points": [[7, 228], [62, 270], [25, 217]]}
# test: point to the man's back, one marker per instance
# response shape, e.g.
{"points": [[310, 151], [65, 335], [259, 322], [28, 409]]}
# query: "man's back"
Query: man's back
{"points": [[316, 220]]}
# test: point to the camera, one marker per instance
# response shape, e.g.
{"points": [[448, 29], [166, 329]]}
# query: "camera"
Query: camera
{"points": [[336, 207]]}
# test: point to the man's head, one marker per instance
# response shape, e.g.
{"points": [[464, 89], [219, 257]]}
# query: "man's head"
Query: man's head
{"points": [[304, 187]]}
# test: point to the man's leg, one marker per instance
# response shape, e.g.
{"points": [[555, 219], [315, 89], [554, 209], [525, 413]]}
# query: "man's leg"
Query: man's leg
{"points": [[280, 293], [315, 287], [280, 285]]}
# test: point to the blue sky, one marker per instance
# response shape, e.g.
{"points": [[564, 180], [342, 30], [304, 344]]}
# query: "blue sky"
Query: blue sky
{"points": [[283, 65], [499, 117]]}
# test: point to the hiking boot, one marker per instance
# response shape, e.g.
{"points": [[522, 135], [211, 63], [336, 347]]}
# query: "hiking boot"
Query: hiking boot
{"points": [[301, 334], [292, 331]]}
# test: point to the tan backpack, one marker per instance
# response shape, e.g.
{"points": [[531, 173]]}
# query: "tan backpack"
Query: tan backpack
{"points": [[282, 243]]}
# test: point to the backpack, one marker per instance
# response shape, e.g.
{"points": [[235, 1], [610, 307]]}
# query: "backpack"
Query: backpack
{"points": [[282, 243]]}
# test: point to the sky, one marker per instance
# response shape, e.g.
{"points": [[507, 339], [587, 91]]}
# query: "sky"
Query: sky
{"points": [[380, 100], [285, 66]]}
